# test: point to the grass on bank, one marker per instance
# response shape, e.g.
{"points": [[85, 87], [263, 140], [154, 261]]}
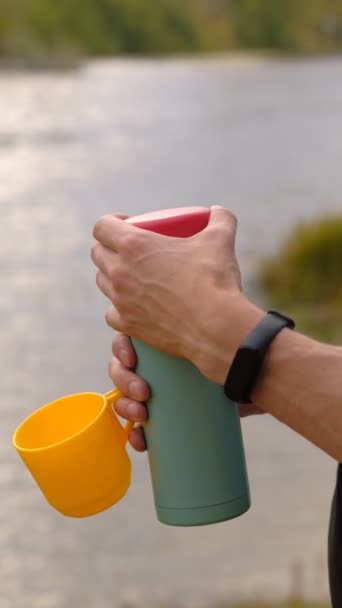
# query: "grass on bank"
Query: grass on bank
{"points": [[305, 277], [33, 30]]}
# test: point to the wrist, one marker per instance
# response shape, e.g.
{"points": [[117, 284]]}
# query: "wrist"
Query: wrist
{"points": [[225, 322], [282, 350]]}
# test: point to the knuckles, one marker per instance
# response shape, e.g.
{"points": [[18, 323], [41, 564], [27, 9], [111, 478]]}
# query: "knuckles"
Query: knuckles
{"points": [[116, 322], [119, 278], [132, 244], [110, 319], [93, 252], [113, 371], [116, 344], [99, 226], [99, 279]]}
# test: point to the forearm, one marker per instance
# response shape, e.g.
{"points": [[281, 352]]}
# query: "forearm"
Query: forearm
{"points": [[300, 383]]}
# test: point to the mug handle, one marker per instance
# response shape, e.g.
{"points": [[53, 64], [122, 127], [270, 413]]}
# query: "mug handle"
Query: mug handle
{"points": [[113, 396]]}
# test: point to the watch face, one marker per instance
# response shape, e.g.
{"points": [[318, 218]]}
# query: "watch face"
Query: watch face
{"points": [[243, 374]]}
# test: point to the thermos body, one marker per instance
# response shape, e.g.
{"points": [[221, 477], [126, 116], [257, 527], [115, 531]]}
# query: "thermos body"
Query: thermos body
{"points": [[194, 443], [193, 432]]}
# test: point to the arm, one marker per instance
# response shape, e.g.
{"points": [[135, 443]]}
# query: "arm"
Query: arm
{"points": [[197, 311], [300, 383]]}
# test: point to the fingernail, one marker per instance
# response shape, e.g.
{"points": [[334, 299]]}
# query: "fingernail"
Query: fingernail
{"points": [[135, 390]]}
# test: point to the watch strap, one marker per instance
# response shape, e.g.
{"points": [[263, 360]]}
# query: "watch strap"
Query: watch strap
{"points": [[247, 363]]}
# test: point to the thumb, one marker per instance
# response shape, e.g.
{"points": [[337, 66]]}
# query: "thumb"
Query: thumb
{"points": [[224, 223]]}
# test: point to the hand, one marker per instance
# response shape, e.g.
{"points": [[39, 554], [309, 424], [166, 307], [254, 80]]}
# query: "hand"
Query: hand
{"points": [[176, 294], [136, 390]]}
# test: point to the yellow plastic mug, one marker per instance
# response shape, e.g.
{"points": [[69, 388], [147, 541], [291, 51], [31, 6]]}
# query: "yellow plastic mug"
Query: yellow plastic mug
{"points": [[75, 450]]}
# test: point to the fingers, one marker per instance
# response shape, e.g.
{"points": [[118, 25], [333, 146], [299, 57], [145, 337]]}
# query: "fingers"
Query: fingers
{"points": [[225, 222], [105, 259], [219, 215], [105, 285], [137, 439], [131, 410], [113, 319], [109, 230], [132, 386], [129, 383], [122, 348]]}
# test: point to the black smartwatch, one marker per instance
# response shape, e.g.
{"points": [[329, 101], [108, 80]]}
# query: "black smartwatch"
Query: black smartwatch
{"points": [[249, 358]]}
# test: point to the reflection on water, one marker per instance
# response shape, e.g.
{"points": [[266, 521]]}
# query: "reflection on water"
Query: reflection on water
{"points": [[264, 139]]}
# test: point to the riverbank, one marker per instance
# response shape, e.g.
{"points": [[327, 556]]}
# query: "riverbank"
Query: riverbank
{"points": [[44, 28], [68, 62]]}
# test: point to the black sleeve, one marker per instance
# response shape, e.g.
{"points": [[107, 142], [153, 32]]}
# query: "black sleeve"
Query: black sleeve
{"points": [[335, 544]]}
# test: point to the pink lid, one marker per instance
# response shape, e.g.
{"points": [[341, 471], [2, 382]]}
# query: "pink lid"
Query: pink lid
{"points": [[179, 222]]}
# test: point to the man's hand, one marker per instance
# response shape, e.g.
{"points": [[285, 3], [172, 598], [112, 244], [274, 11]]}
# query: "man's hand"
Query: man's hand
{"points": [[136, 390], [176, 294], [183, 296]]}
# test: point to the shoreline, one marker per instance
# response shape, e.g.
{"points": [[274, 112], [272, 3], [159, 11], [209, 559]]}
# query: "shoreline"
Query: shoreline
{"points": [[239, 57]]}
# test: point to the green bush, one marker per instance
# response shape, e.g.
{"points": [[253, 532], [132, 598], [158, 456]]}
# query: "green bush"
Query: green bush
{"points": [[306, 276], [291, 25], [105, 27]]}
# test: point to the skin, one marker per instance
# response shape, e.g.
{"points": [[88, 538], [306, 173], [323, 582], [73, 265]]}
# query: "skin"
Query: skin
{"points": [[176, 307], [136, 390]]}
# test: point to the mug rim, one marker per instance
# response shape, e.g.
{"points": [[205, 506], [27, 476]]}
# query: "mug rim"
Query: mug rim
{"points": [[19, 448]]}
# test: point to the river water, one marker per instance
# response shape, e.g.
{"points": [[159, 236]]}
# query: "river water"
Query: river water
{"points": [[261, 137]]}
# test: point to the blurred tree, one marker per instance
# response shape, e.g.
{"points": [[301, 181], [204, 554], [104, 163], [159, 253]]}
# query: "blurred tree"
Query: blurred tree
{"points": [[305, 277], [296, 25], [110, 26], [103, 27]]}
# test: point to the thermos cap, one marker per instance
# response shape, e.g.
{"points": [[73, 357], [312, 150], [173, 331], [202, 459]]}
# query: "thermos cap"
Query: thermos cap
{"points": [[180, 222]]}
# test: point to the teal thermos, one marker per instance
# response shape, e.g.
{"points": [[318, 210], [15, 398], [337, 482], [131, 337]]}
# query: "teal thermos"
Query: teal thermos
{"points": [[193, 432]]}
